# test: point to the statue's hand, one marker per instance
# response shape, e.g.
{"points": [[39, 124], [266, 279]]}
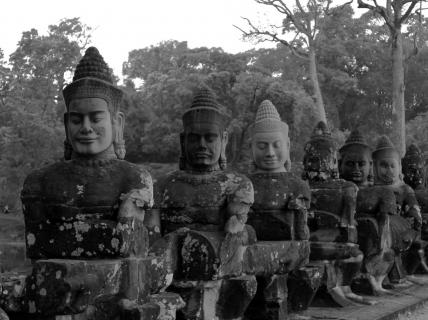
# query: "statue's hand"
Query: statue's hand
{"points": [[134, 203], [234, 225], [414, 213]]}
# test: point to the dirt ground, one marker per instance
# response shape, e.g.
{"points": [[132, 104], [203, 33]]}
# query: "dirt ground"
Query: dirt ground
{"points": [[419, 314]]}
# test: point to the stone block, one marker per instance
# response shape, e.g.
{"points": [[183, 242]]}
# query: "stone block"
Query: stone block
{"points": [[12, 291], [332, 250], [275, 257], [86, 239], [235, 296], [144, 276], [58, 286], [303, 284], [129, 310], [168, 303]]}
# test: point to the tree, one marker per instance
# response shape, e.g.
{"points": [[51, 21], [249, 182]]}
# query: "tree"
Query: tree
{"points": [[395, 13], [305, 23], [31, 104]]}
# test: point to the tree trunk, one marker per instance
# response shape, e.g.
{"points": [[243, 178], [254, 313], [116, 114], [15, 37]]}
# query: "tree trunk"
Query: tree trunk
{"points": [[398, 109], [315, 83]]}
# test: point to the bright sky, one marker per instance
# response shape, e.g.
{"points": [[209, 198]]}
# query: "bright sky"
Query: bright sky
{"points": [[121, 26]]}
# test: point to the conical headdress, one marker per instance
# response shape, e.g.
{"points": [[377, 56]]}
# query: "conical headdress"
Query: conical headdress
{"points": [[93, 79], [385, 147], [413, 154], [205, 109], [355, 139], [268, 120]]}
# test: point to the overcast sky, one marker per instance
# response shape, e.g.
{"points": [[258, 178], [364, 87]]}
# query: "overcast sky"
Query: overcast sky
{"points": [[123, 25]]}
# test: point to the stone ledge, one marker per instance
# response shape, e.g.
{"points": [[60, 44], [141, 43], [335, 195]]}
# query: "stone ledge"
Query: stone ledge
{"points": [[389, 307]]}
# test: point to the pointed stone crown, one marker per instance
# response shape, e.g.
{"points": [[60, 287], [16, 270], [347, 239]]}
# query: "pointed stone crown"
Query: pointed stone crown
{"points": [[355, 139], [413, 152], [93, 79], [205, 109], [384, 146], [268, 120], [321, 132]]}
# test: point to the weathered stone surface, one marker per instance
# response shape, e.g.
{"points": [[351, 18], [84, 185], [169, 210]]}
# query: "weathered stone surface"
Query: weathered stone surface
{"points": [[281, 201], [303, 283], [129, 310], [143, 276], [86, 239], [68, 286], [12, 290], [270, 302], [228, 307], [332, 250], [168, 302], [326, 227], [275, 257]]}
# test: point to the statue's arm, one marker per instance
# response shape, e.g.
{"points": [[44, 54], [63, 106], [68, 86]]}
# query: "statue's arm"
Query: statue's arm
{"points": [[239, 203], [135, 202], [411, 207], [349, 205], [300, 204]]}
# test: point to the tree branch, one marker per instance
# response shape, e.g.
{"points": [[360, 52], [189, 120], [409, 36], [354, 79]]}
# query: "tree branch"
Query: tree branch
{"points": [[377, 9], [408, 11], [256, 32]]}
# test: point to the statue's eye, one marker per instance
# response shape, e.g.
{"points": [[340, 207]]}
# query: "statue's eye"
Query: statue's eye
{"points": [[262, 145], [277, 144], [75, 119]]}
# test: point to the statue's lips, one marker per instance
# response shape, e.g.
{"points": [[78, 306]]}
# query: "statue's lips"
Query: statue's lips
{"points": [[356, 174], [202, 155], [270, 161], [86, 140]]}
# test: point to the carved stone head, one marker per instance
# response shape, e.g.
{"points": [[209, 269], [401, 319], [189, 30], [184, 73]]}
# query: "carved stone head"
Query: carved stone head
{"points": [[93, 123], [355, 163], [203, 142], [320, 157], [386, 162], [270, 143], [413, 166]]}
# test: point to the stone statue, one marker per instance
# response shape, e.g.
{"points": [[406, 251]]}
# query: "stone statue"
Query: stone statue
{"points": [[84, 215], [375, 204], [280, 210], [413, 169], [203, 209], [406, 225], [333, 229]]}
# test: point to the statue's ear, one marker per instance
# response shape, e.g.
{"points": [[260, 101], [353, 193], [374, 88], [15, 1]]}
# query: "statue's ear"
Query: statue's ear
{"points": [[66, 124], [225, 138], [119, 142], [68, 149], [182, 160]]}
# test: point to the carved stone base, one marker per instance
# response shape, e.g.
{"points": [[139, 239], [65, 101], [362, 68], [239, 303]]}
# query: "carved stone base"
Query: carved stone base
{"points": [[219, 299], [302, 286]]}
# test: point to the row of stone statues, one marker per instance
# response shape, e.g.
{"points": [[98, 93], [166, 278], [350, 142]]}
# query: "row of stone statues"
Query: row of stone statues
{"points": [[207, 242]]}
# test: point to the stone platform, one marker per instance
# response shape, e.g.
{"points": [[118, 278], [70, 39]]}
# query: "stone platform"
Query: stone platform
{"points": [[389, 307]]}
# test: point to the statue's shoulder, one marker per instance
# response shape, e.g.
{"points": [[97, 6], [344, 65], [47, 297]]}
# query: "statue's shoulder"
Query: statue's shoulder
{"points": [[297, 184], [34, 182], [234, 178]]}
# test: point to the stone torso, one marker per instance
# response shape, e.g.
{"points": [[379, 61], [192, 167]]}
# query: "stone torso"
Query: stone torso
{"points": [[405, 197], [199, 201], [276, 196], [374, 199], [71, 205], [331, 196]]}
